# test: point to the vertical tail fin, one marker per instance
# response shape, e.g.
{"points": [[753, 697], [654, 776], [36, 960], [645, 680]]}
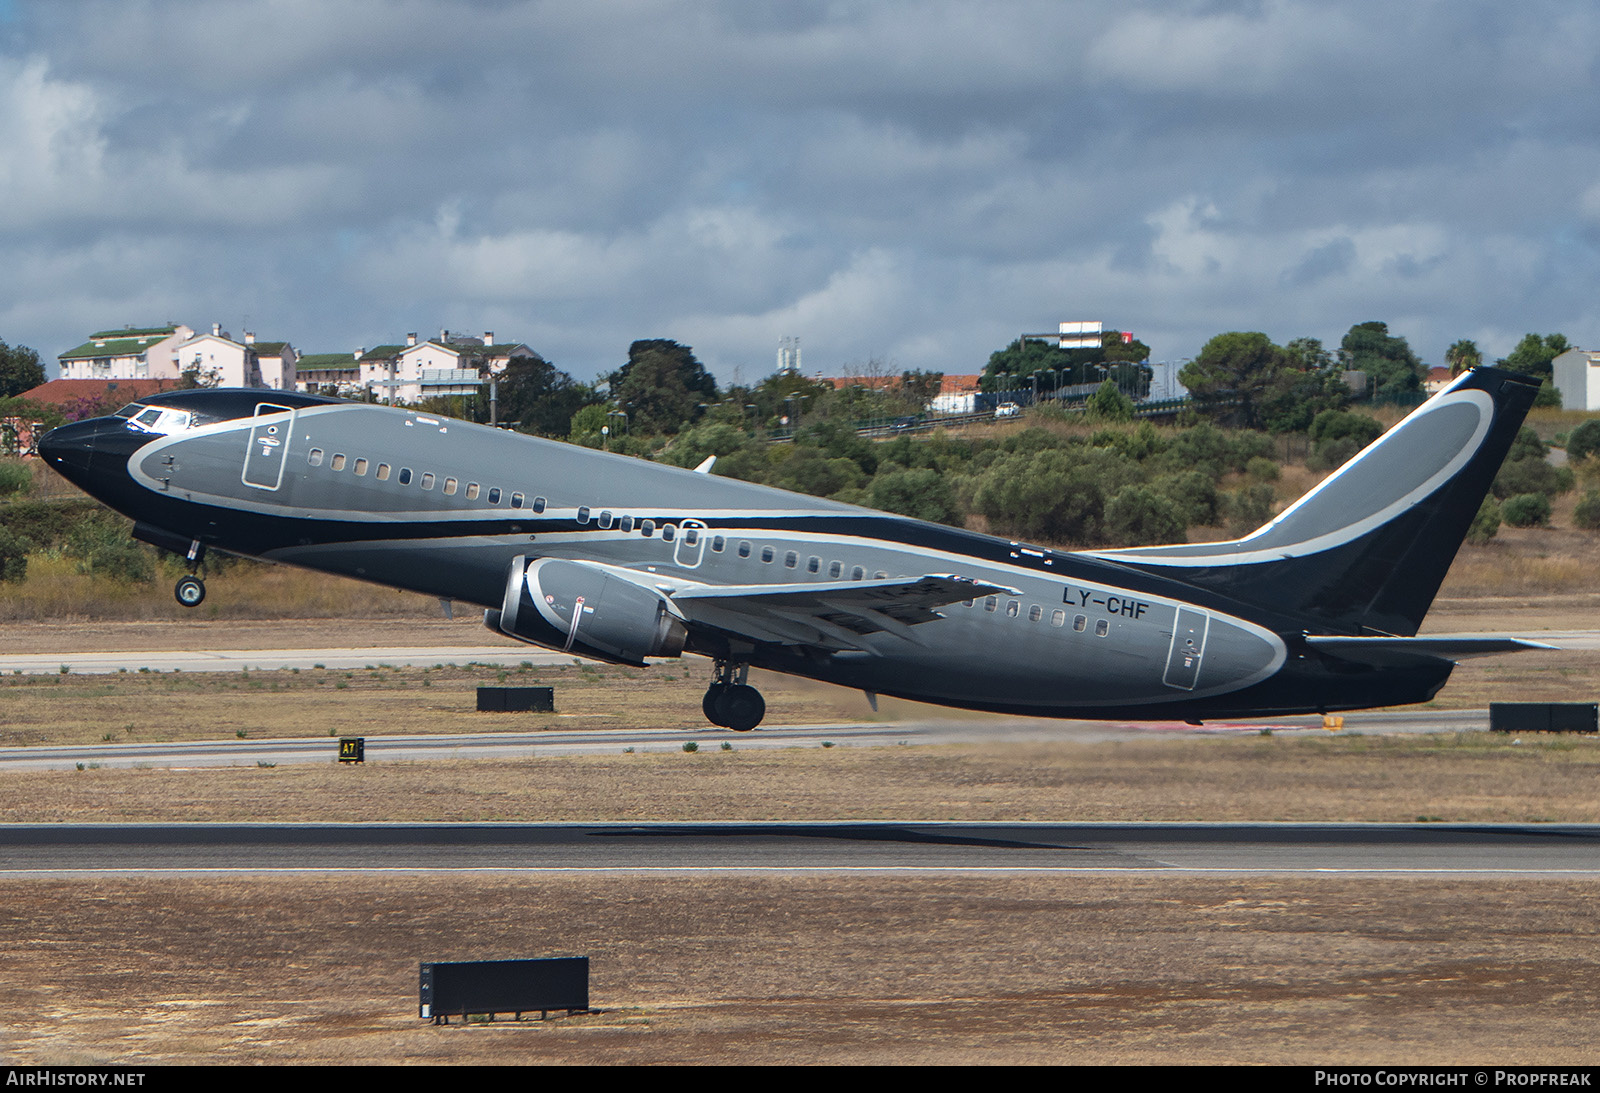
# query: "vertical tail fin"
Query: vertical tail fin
{"points": [[1366, 550]]}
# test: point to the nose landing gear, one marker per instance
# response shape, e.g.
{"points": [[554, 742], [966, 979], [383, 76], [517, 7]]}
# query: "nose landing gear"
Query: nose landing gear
{"points": [[730, 701], [190, 591]]}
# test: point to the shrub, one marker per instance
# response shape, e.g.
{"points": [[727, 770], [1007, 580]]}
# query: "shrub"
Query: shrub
{"points": [[1526, 510], [1486, 523], [1587, 514], [921, 493], [1528, 475], [13, 556], [1262, 469], [1584, 441], [1337, 424], [104, 549], [1139, 515], [15, 478], [1193, 494], [1327, 455], [1248, 508]]}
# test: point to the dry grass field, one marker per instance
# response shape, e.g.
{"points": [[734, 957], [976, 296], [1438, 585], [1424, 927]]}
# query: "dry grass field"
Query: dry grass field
{"points": [[810, 969]]}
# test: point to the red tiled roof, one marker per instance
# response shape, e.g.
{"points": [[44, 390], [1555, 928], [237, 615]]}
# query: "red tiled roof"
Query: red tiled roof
{"points": [[61, 392]]}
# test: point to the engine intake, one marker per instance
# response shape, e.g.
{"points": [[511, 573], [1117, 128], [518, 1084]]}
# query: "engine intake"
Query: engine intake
{"points": [[580, 608]]}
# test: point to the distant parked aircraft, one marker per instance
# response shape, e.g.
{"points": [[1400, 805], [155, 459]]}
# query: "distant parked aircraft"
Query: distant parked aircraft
{"points": [[624, 560]]}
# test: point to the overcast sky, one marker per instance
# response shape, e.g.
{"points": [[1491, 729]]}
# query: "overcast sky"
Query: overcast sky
{"points": [[914, 182]]}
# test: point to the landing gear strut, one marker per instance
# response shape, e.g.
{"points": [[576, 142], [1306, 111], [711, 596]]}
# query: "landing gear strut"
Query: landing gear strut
{"points": [[730, 701], [190, 591]]}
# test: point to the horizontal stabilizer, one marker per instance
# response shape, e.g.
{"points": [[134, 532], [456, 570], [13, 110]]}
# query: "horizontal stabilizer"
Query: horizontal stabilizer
{"points": [[831, 615], [1377, 651]]}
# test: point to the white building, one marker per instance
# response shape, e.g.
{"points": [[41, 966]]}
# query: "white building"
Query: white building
{"points": [[450, 365], [219, 361], [127, 354], [1576, 374]]}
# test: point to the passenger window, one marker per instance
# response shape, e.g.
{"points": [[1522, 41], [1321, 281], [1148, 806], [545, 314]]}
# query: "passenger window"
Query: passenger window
{"points": [[790, 560], [626, 523], [583, 510], [494, 495], [835, 568], [881, 575], [744, 548], [538, 505], [647, 527], [1012, 608], [383, 472], [338, 463], [605, 519], [472, 491], [1058, 617], [427, 480], [1079, 622], [1101, 628], [691, 535], [1035, 613], [813, 564], [450, 486], [967, 603], [717, 543], [991, 603], [314, 456], [767, 554], [857, 573], [361, 466], [669, 532], [516, 500], [405, 476]]}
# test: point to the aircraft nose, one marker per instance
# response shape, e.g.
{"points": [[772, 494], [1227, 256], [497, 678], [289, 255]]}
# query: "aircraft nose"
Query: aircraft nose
{"points": [[70, 449]]}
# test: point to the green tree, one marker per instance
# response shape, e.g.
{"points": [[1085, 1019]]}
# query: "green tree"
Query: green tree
{"points": [[1462, 356], [1533, 354], [1234, 373], [662, 388], [20, 370], [1014, 367], [541, 398], [1392, 368]]}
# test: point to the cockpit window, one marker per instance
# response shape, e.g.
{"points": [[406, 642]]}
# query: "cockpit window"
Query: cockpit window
{"points": [[130, 409], [159, 419]]}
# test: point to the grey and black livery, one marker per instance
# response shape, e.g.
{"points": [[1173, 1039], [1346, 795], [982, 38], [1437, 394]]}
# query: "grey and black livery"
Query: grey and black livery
{"points": [[623, 560]]}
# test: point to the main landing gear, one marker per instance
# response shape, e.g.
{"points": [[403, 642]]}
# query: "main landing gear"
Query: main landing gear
{"points": [[190, 591], [730, 701]]}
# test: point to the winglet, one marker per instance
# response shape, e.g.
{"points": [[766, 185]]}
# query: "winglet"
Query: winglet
{"points": [[706, 465]]}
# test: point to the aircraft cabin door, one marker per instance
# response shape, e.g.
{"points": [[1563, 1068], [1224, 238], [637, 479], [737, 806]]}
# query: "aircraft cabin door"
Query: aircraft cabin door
{"points": [[691, 543], [1187, 649], [269, 446]]}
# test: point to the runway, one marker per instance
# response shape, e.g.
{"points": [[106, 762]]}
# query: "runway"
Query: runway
{"points": [[777, 847], [513, 744]]}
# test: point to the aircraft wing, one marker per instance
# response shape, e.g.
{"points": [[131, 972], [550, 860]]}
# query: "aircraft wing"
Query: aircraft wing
{"points": [[832, 615]]}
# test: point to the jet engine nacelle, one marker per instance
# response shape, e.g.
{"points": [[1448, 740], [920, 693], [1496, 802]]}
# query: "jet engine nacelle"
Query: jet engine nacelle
{"points": [[580, 608]]}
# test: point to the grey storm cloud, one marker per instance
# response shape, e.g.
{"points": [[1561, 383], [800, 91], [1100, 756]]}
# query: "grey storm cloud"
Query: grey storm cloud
{"points": [[910, 181]]}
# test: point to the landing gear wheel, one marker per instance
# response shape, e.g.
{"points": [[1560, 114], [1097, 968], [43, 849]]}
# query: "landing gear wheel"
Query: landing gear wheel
{"points": [[190, 591], [741, 708], [711, 704]]}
